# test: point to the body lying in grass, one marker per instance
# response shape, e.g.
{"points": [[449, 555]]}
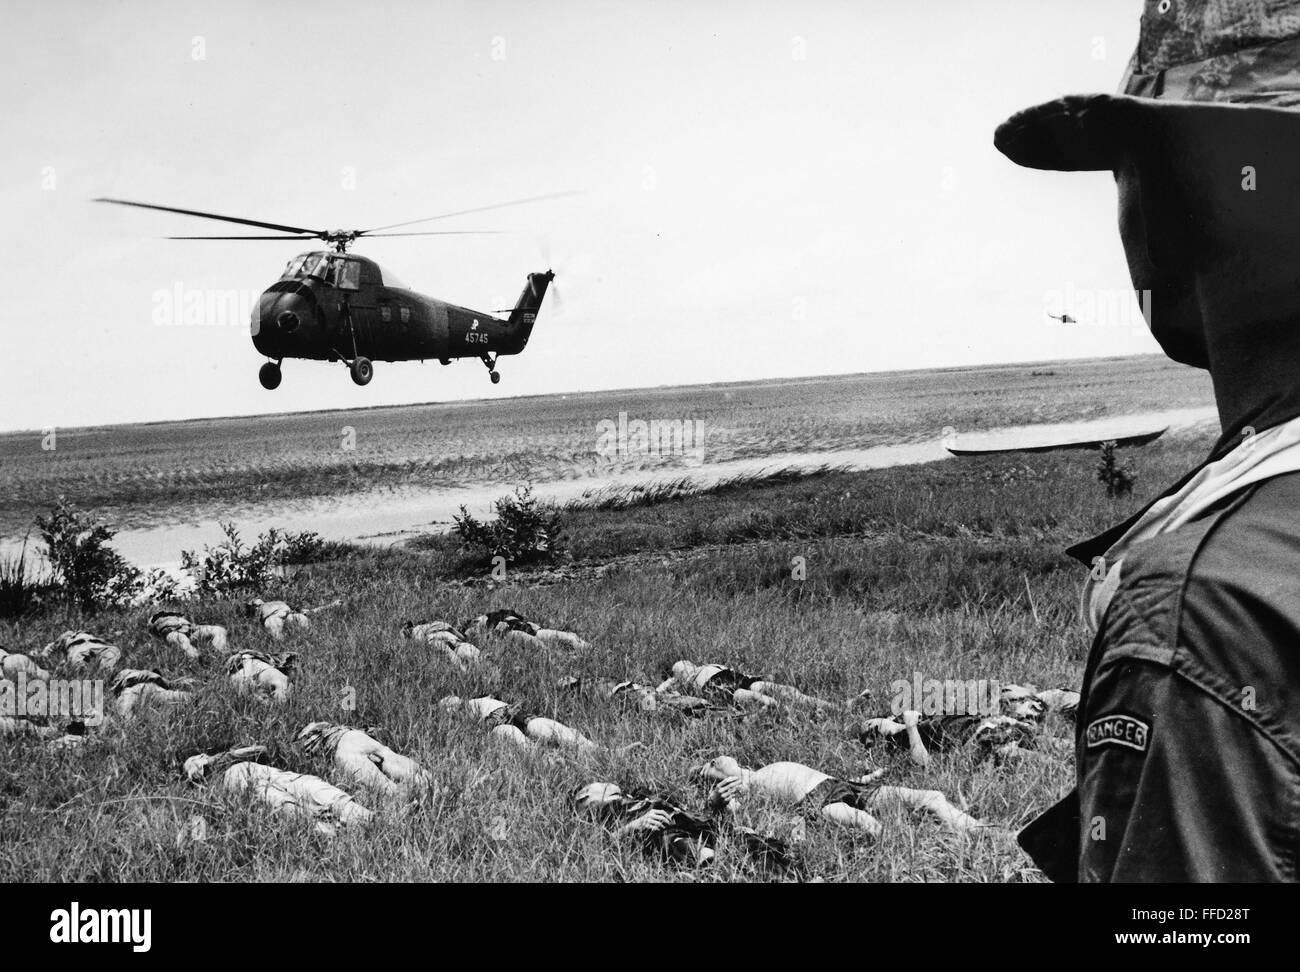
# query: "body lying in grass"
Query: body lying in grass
{"points": [[514, 627], [668, 831], [363, 759], [294, 795], [1015, 731], [820, 795], [720, 683], [441, 635], [137, 690], [82, 651], [11, 663], [277, 616], [55, 735], [995, 736], [514, 725], [636, 695], [261, 674], [1027, 702], [183, 634]]}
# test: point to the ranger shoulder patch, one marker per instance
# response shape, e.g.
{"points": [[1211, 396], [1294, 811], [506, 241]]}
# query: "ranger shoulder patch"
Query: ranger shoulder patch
{"points": [[1118, 729]]}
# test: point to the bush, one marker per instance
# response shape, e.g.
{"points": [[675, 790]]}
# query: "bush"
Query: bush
{"points": [[300, 548], [525, 530], [232, 567], [1117, 479], [158, 585], [86, 569]]}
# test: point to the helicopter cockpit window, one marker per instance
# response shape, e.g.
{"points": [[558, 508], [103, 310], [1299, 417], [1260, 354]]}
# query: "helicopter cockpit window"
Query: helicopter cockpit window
{"points": [[348, 274], [313, 265], [294, 267]]}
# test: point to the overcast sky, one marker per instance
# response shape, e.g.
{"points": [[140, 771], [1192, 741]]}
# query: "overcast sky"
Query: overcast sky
{"points": [[771, 188]]}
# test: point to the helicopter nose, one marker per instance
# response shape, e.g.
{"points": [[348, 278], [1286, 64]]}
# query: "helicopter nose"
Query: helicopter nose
{"points": [[281, 313]]}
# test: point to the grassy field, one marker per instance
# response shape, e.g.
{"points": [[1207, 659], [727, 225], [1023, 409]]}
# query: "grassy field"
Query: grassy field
{"points": [[181, 471], [953, 570]]}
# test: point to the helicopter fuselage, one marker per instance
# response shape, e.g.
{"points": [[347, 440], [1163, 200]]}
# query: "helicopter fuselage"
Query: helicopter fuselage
{"points": [[330, 307], [335, 306]]}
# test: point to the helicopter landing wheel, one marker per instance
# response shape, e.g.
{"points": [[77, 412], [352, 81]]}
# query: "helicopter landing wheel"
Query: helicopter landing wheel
{"points": [[362, 371], [496, 377], [269, 375]]}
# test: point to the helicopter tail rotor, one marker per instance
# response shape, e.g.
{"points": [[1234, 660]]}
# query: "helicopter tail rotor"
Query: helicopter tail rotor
{"points": [[554, 269]]}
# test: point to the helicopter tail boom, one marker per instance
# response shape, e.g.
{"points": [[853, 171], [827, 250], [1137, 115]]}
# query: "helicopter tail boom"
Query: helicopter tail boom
{"points": [[524, 315]]}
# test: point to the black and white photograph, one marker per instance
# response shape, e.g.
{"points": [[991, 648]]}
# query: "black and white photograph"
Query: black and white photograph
{"points": [[585, 445]]}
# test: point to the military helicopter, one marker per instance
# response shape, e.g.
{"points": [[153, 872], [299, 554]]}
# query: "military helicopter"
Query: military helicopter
{"points": [[331, 305]]}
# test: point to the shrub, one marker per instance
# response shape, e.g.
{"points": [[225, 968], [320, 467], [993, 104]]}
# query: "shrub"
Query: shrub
{"points": [[232, 566], [524, 531], [158, 585], [301, 548], [1117, 479], [85, 568]]}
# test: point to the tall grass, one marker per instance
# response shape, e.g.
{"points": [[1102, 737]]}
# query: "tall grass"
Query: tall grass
{"points": [[925, 569], [629, 496], [22, 588]]}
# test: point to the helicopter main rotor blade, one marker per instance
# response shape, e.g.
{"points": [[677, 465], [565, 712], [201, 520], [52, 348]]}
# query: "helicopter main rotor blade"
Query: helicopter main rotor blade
{"points": [[465, 212], [239, 237], [312, 234], [370, 235]]}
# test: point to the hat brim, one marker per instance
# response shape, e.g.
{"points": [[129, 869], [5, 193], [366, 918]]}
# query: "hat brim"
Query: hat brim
{"points": [[1088, 133], [1078, 133], [1097, 133]]}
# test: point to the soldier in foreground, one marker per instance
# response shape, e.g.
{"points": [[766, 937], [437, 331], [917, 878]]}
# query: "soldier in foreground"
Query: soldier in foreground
{"points": [[1187, 734]]}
